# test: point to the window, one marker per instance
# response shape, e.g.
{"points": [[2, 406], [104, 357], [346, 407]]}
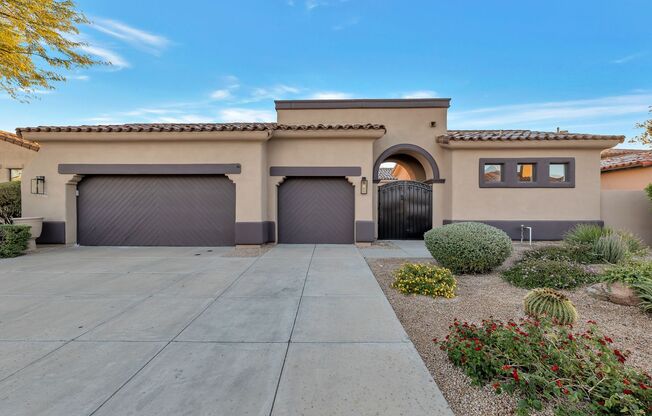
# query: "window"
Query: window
{"points": [[493, 173], [526, 172], [15, 174], [558, 172]]}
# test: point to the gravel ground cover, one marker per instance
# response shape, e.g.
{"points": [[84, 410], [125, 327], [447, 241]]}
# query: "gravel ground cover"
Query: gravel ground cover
{"points": [[483, 296]]}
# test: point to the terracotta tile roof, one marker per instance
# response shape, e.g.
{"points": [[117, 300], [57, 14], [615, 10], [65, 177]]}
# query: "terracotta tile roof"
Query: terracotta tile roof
{"points": [[195, 127], [618, 152], [19, 141], [385, 174], [519, 135], [625, 159]]}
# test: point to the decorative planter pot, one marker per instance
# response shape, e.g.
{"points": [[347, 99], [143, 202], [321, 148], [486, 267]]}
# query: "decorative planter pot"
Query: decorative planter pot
{"points": [[36, 224]]}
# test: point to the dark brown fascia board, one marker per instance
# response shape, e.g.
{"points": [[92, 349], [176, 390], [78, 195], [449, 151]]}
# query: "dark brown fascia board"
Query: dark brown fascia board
{"points": [[362, 103], [151, 169], [315, 171]]}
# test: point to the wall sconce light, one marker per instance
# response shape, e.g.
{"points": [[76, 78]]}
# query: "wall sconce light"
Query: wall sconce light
{"points": [[363, 185], [38, 185]]}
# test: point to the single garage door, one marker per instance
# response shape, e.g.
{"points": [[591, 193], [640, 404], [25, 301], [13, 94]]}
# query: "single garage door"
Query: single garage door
{"points": [[153, 210], [316, 210]]}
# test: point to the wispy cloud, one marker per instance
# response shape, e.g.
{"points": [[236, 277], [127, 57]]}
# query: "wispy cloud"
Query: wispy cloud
{"points": [[330, 95], [233, 115], [628, 58], [420, 94], [345, 24], [552, 113], [274, 92], [79, 77], [136, 37], [106, 55], [223, 94]]}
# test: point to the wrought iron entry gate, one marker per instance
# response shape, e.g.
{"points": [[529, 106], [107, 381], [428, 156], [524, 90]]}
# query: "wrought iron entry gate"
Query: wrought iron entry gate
{"points": [[404, 210]]}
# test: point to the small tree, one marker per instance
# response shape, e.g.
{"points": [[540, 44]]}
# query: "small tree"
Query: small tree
{"points": [[9, 201], [37, 38], [645, 137]]}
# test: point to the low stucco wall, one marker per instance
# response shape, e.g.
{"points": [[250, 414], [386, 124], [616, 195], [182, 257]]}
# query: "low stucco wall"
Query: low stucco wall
{"points": [[629, 210], [13, 157]]}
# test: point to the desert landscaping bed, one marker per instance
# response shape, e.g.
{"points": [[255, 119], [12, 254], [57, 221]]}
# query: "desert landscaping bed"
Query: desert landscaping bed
{"points": [[488, 295]]}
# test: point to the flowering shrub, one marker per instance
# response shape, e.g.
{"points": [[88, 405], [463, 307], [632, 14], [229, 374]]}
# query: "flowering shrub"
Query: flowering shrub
{"points": [[425, 279], [580, 373], [556, 274]]}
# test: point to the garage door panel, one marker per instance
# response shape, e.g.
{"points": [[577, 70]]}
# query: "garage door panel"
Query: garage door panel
{"points": [[316, 210], [156, 210]]}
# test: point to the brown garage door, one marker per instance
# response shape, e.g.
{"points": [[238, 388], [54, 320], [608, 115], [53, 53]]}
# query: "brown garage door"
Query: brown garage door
{"points": [[316, 210], [180, 210]]}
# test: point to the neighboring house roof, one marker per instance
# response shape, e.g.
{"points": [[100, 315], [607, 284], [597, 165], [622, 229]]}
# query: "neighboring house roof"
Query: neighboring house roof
{"points": [[195, 127], [385, 174], [18, 141], [518, 135], [616, 159]]}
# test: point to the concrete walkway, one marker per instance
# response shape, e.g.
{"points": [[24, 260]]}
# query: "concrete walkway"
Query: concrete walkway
{"points": [[301, 330]]}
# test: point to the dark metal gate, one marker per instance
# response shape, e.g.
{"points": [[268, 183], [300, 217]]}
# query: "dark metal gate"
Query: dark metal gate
{"points": [[404, 210]]}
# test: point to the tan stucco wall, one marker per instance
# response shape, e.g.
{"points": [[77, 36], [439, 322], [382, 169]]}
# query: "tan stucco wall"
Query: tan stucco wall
{"points": [[13, 157], [629, 210], [470, 202], [633, 179], [329, 152], [59, 204], [403, 126]]}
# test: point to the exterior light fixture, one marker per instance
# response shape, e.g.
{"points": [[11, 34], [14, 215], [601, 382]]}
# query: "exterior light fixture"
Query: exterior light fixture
{"points": [[363, 185], [38, 185]]}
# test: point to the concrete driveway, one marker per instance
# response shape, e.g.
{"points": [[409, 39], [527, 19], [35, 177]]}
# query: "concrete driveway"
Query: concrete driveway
{"points": [[300, 330]]}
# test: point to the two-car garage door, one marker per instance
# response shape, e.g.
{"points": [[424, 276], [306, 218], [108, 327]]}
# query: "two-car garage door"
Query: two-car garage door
{"points": [[156, 210]]}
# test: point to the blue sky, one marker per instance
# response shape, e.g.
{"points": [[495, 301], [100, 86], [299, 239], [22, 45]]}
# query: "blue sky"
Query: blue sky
{"points": [[580, 65]]}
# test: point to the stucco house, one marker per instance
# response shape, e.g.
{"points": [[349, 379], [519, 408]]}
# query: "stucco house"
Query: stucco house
{"points": [[311, 177], [15, 154], [626, 169]]}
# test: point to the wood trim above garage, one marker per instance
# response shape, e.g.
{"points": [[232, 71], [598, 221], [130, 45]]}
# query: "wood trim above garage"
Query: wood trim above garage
{"points": [[150, 169], [315, 171]]}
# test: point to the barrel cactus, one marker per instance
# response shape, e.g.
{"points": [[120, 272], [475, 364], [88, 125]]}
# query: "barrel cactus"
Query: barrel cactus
{"points": [[548, 302]]}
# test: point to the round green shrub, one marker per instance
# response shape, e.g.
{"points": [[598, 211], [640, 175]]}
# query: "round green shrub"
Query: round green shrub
{"points": [[468, 247], [545, 302], [425, 279], [556, 274]]}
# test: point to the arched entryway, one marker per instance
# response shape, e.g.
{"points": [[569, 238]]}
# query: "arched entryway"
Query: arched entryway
{"points": [[404, 174]]}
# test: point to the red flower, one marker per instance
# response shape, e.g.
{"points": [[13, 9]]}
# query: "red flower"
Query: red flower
{"points": [[591, 322], [571, 337], [478, 348], [559, 384], [506, 367], [643, 386], [625, 381], [628, 391], [434, 340], [555, 367], [512, 324], [609, 340], [565, 391], [515, 375], [496, 385]]}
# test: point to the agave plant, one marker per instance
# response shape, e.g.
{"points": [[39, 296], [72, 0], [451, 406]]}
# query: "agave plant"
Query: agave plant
{"points": [[548, 302]]}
